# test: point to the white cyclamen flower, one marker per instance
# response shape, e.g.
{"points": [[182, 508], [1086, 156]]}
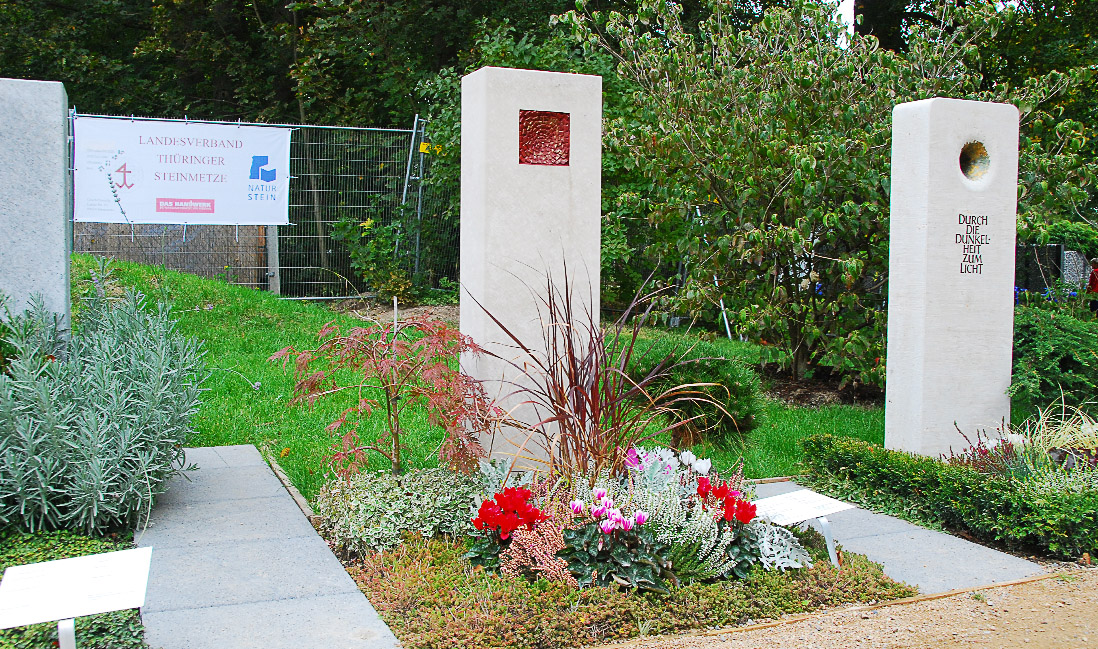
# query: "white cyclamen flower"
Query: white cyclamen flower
{"points": [[703, 466], [688, 458]]}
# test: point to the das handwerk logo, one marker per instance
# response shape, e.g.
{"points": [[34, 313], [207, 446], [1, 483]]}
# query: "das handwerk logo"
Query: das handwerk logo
{"points": [[265, 189]]}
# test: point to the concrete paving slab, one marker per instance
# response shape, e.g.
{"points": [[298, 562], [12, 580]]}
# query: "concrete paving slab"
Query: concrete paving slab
{"points": [[240, 455], [236, 564], [229, 483], [860, 523], [204, 458], [343, 621], [239, 573], [938, 562], [250, 519], [934, 561]]}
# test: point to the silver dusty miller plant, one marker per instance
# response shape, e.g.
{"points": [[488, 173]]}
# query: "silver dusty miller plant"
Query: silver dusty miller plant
{"points": [[91, 429], [779, 549]]}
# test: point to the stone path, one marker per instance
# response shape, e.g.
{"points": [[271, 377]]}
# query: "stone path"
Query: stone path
{"points": [[236, 564], [933, 561]]}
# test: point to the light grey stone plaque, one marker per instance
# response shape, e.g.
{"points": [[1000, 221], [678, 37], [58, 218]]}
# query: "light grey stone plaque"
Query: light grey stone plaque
{"points": [[35, 194]]}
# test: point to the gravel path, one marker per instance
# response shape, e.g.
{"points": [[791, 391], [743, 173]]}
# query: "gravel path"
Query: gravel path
{"points": [[1061, 611]]}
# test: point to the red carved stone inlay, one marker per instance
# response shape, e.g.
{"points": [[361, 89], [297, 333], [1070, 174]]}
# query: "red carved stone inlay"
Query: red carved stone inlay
{"points": [[544, 138]]}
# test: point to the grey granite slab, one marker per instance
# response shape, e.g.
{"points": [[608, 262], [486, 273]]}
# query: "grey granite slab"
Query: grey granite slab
{"points": [[934, 561], [236, 564], [342, 621]]}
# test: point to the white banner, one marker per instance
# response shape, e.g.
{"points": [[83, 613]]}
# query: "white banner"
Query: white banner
{"points": [[154, 171]]}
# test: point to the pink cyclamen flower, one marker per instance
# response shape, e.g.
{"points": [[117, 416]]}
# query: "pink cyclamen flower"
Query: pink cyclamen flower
{"points": [[577, 507], [597, 512], [632, 460], [607, 527], [627, 524], [615, 515], [641, 517], [600, 493]]}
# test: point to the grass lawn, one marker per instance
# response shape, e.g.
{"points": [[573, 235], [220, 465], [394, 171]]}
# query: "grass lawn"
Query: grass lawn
{"points": [[242, 327]]}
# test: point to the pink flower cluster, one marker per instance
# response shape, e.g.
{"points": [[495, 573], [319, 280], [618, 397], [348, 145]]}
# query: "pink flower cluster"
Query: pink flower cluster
{"points": [[609, 517]]}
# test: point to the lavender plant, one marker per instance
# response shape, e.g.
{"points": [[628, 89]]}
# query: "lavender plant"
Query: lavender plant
{"points": [[91, 429]]}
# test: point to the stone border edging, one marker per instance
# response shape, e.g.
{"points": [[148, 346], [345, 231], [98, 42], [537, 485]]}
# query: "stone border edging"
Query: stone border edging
{"points": [[302, 504]]}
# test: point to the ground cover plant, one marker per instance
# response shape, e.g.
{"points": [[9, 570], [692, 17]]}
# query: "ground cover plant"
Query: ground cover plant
{"points": [[427, 593], [116, 630]]}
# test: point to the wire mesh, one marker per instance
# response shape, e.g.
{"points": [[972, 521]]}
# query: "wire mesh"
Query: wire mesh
{"points": [[336, 175]]}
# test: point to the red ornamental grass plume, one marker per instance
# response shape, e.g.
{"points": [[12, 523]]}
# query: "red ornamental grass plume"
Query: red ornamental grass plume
{"points": [[507, 512]]}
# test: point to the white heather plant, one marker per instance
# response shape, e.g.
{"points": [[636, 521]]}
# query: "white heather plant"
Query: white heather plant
{"points": [[373, 510], [665, 486]]}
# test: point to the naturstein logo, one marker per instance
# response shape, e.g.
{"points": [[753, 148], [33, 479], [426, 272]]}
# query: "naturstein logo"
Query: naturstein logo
{"points": [[259, 173], [260, 191]]}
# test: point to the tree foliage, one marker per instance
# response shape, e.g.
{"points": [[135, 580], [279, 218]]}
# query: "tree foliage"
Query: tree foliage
{"points": [[767, 152]]}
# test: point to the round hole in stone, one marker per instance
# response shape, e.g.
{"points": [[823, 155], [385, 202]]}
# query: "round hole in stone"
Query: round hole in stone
{"points": [[974, 160]]}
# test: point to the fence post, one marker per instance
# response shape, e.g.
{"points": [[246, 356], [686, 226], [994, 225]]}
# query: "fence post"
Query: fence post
{"points": [[274, 284]]}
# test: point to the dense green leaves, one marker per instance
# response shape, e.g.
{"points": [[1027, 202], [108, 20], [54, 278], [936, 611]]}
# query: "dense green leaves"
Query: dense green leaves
{"points": [[768, 150], [633, 559], [1055, 358]]}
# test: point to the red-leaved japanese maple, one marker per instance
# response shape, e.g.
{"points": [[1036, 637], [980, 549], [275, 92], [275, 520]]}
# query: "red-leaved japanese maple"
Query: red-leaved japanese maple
{"points": [[407, 364]]}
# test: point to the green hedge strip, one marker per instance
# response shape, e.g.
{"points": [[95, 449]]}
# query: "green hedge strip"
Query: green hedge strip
{"points": [[1004, 510]]}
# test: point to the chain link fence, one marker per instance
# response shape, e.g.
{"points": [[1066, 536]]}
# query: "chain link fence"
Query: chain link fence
{"points": [[337, 175]]}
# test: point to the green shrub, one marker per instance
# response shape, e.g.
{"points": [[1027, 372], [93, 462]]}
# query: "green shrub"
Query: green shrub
{"points": [[1016, 513], [116, 630], [1081, 237], [698, 361], [375, 510], [91, 431], [1053, 353]]}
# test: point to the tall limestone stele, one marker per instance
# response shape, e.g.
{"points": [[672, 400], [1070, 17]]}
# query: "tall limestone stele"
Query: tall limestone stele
{"points": [[531, 185], [951, 272], [35, 194]]}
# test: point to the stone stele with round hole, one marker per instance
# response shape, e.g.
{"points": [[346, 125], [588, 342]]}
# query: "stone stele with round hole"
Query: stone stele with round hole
{"points": [[951, 272]]}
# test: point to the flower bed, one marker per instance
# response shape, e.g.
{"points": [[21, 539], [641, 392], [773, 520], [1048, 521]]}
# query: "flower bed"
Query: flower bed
{"points": [[556, 563]]}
